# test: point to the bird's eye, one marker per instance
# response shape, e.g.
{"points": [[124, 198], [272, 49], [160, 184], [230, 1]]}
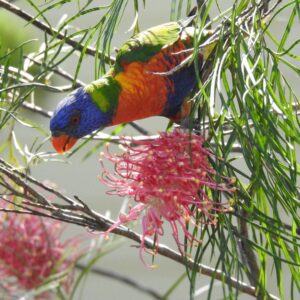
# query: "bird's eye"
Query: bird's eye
{"points": [[75, 120]]}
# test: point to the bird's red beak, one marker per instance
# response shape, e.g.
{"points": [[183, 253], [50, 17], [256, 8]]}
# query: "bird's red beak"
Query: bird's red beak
{"points": [[63, 143]]}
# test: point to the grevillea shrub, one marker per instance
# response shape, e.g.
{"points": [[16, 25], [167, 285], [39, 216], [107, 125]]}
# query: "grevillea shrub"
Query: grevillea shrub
{"points": [[169, 178], [31, 251]]}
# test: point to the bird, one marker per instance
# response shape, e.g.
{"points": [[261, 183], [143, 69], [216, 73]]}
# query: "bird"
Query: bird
{"points": [[144, 81]]}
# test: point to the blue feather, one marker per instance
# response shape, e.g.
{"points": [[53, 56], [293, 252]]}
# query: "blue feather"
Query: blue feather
{"points": [[183, 81], [78, 104]]}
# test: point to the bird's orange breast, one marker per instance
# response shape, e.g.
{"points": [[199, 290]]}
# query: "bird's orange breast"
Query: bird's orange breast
{"points": [[144, 93]]}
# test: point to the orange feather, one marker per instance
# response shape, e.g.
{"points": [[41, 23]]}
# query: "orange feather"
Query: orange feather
{"points": [[143, 93]]}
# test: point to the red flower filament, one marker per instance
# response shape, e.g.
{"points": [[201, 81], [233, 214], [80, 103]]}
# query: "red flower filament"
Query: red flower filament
{"points": [[31, 251], [169, 178]]}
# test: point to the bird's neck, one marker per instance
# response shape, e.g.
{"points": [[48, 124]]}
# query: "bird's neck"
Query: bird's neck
{"points": [[105, 93]]}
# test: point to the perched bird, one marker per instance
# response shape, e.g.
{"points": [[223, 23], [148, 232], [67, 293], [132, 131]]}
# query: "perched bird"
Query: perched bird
{"points": [[140, 84]]}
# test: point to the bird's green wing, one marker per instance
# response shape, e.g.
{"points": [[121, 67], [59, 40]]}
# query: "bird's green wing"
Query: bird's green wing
{"points": [[145, 44]]}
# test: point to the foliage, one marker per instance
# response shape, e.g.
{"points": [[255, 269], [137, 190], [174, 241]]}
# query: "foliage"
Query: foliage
{"points": [[247, 106]]}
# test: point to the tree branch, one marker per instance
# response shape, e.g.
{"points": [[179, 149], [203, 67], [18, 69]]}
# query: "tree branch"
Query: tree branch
{"points": [[77, 212], [123, 279]]}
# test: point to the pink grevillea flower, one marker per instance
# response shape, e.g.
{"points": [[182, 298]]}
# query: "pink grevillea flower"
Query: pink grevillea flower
{"points": [[171, 179], [31, 252]]}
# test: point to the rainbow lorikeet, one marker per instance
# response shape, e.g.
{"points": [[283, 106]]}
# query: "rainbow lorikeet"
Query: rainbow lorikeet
{"points": [[135, 87]]}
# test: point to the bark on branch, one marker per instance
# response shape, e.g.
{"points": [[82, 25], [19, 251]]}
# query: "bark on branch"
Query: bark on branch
{"points": [[75, 211]]}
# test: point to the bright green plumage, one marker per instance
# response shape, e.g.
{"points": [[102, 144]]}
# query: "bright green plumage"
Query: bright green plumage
{"points": [[148, 43], [105, 93]]}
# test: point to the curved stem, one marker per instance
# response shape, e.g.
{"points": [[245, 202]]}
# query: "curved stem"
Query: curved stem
{"points": [[124, 279]]}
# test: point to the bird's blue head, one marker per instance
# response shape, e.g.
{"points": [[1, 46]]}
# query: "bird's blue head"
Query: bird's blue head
{"points": [[75, 116]]}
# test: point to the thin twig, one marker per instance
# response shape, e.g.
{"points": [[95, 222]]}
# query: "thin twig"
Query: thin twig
{"points": [[247, 254], [139, 128], [269, 11], [17, 73], [123, 279], [10, 169], [56, 89], [61, 72], [37, 109]]}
